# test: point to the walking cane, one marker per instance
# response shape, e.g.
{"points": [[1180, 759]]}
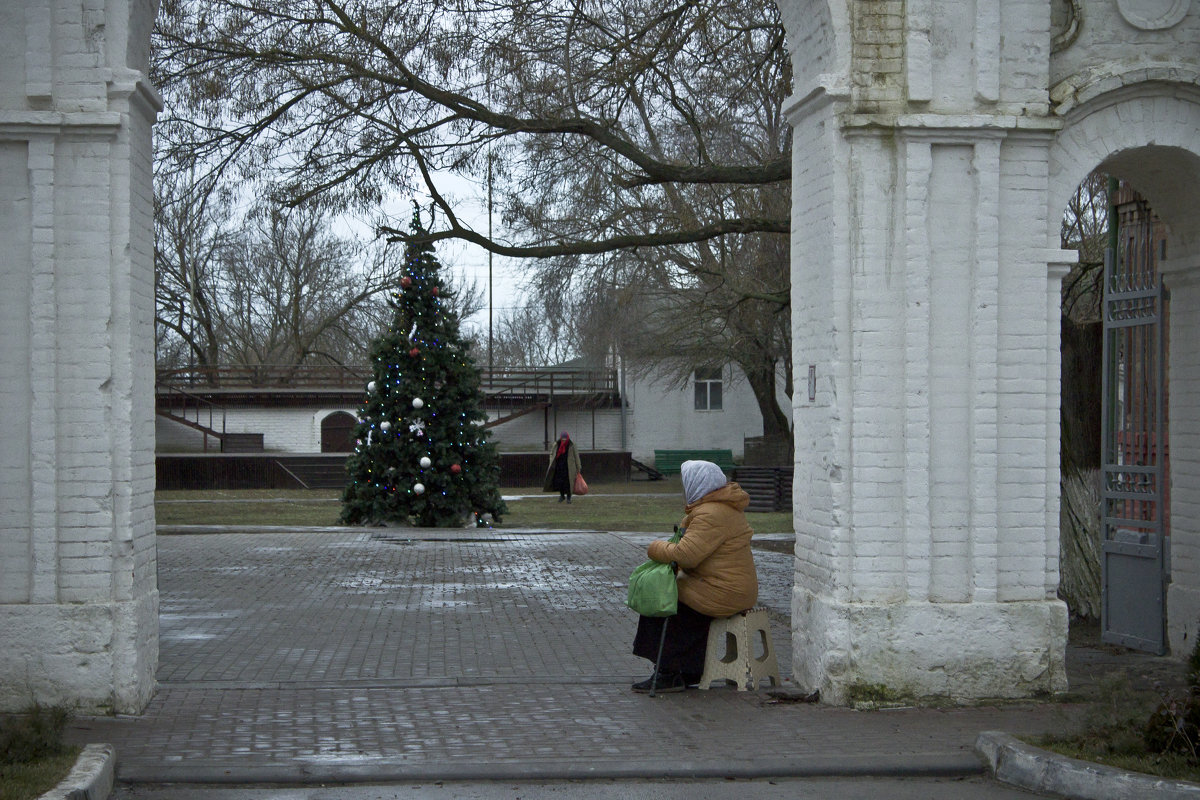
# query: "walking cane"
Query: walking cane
{"points": [[662, 639]]}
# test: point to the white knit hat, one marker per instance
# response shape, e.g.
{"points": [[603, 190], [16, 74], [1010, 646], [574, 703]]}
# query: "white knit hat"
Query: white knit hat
{"points": [[700, 478]]}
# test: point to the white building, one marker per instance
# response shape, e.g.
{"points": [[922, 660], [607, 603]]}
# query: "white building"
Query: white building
{"points": [[712, 410]]}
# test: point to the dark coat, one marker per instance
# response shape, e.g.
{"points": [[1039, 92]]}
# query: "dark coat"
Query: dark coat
{"points": [[572, 456]]}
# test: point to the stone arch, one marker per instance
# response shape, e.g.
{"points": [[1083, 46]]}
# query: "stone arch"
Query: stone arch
{"points": [[1146, 133], [818, 34]]}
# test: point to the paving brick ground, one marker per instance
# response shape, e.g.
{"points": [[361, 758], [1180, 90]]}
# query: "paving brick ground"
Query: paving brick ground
{"points": [[400, 654]]}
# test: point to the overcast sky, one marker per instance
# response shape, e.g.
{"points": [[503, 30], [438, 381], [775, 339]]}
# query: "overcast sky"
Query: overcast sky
{"points": [[467, 262]]}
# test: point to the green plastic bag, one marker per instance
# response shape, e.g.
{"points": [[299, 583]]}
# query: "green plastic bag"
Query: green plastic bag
{"points": [[652, 588]]}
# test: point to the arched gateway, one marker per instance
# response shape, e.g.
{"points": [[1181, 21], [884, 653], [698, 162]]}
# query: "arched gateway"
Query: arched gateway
{"points": [[934, 152]]}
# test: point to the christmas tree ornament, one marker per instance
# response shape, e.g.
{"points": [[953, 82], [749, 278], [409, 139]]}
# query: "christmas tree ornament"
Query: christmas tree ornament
{"points": [[406, 282], [425, 462], [456, 468], [418, 403], [414, 352], [434, 291], [419, 488], [371, 387], [417, 427], [385, 426]]}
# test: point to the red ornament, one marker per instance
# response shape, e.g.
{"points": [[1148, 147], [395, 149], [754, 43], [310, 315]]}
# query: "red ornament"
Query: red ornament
{"points": [[414, 352], [456, 468], [406, 282], [434, 291]]}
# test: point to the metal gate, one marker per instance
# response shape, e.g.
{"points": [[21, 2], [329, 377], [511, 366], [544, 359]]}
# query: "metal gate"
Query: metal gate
{"points": [[1134, 552]]}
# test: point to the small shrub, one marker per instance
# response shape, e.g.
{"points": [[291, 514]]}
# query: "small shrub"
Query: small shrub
{"points": [[1174, 725], [33, 734]]}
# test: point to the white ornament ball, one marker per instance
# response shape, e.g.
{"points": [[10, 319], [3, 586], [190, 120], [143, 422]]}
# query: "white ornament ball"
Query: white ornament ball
{"points": [[419, 488], [371, 387], [418, 402], [425, 462], [385, 426]]}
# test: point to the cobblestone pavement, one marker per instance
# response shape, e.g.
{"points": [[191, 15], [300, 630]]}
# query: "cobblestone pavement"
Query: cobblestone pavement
{"points": [[406, 654]]}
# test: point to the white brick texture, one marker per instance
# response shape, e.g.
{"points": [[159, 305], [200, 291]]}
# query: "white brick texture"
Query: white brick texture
{"points": [[78, 600]]}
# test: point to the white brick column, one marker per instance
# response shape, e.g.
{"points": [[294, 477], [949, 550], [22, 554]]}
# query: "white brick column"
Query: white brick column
{"points": [[78, 595], [926, 479], [1181, 275], [925, 310]]}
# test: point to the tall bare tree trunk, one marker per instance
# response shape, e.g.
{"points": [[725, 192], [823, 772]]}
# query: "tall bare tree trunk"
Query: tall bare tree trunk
{"points": [[1080, 533]]}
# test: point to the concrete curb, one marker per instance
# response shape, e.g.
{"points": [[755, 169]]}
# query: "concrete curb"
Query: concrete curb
{"points": [[963, 764], [91, 778], [1012, 761]]}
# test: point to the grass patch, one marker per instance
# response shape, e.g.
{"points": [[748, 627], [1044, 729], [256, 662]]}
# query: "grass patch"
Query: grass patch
{"points": [[303, 508], [1113, 732], [34, 778], [875, 695], [624, 506], [33, 756]]}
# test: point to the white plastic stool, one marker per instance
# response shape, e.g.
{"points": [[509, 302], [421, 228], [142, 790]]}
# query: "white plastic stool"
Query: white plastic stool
{"points": [[730, 656]]}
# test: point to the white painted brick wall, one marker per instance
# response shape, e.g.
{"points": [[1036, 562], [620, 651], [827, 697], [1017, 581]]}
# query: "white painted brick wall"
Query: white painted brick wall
{"points": [[1106, 37], [15, 484], [922, 463], [1183, 596], [77, 366]]}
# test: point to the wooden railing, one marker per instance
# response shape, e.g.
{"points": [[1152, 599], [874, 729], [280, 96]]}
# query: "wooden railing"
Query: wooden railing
{"points": [[266, 376], [501, 385], [193, 411]]}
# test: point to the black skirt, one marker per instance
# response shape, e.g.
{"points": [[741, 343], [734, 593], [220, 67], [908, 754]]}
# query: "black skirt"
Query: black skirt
{"points": [[685, 644], [561, 482]]}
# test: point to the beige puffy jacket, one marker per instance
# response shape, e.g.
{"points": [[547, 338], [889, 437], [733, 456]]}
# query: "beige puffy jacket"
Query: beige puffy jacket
{"points": [[717, 575]]}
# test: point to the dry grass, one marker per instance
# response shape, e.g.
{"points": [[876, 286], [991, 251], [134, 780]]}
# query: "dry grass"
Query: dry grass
{"points": [[625, 506], [35, 778], [1111, 732]]}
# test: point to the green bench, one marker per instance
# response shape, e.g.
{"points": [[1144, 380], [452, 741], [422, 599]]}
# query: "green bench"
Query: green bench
{"points": [[668, 461]]}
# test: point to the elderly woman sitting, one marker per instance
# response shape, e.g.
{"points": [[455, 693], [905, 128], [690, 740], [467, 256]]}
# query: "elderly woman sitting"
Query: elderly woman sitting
{"points": [[716, 576]]}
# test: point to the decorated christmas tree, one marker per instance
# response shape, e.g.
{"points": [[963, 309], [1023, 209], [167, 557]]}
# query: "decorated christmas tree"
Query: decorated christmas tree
{"points": [[421, 453]]}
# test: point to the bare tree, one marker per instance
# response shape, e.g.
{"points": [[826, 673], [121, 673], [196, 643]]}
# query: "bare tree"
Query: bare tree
{"points": [[274, 286], [352, 100], [189, 234], [1084, 228], [650, 133], [526, 339]]}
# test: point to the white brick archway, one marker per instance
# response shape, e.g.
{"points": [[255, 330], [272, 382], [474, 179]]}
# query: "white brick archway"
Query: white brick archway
{"points": [[1145, 129], [930, 168]]}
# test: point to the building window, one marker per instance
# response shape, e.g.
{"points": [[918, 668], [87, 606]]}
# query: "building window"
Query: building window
{"points": [[708, 389]]}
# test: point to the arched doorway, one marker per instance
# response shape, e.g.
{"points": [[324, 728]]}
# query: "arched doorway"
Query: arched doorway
{"points": [[337, 433], [1145, 135]]}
